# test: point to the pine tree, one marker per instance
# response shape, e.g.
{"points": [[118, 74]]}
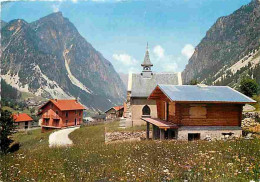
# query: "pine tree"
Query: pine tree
{"points": [[7, 128]]}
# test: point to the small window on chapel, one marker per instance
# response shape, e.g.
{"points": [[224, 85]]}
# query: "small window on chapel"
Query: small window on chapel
{"points": [[198, 111]]}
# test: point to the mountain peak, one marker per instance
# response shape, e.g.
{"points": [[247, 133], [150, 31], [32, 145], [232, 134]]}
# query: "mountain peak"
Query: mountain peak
{"points": [[56, 14], [54, 17]]}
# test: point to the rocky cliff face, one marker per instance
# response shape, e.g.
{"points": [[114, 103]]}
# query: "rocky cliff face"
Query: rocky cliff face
{"points": [[231, 47], [50, 58]]}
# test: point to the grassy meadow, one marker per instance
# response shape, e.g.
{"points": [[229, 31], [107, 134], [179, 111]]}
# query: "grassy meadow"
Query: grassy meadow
{"points": [[90, 159]]}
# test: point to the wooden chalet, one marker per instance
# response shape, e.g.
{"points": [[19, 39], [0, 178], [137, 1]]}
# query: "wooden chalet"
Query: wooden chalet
{"points": [[56, 114], [190, 112], [114, 112]]}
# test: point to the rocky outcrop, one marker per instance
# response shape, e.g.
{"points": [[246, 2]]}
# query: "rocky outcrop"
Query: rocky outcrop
{"points": [[231, 39], [251, 119]]}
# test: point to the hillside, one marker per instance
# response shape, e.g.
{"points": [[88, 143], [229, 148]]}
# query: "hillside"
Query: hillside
{"points": [[49, 58], [90, 159], [230, 49]]}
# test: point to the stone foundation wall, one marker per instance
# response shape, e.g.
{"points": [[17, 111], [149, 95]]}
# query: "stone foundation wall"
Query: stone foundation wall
{"points": [[209, 132]]}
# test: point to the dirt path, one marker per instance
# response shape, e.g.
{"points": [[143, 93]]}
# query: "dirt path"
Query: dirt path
{"points": [[61, 138]]}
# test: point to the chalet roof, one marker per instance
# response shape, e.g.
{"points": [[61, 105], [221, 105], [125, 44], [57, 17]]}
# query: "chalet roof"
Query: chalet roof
{"points": [[66, 105], [160, 123], [21, 117], [116, 108], [202, 93], [142, 87]]}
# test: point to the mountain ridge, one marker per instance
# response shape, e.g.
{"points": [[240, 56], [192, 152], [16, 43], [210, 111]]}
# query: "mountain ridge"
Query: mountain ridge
{"points": [[230, 39], [49, 57]]}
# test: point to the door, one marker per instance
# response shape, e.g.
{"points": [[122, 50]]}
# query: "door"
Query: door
{"points": [[26, 124], [75, 121]]}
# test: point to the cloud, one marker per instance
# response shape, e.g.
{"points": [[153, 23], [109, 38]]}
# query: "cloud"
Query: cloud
{"points": [[187, 50], [125, 59], [55, 7], [158, 51], [74, 1], [170, 67]]}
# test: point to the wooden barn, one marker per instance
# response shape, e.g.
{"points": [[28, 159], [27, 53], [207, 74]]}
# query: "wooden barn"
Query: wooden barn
{"points": [[56, 114], [191, 112]]}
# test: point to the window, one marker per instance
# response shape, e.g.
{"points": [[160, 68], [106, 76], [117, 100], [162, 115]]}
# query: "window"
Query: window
{"points": [[146, 110], [193, 136], [67, 122], [76, 112], [67, 114], [166, 110], [79, 113], [57, 112], [198, 111]]}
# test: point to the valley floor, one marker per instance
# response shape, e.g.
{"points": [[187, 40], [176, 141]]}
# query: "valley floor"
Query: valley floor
{"points": [[90, 159]]}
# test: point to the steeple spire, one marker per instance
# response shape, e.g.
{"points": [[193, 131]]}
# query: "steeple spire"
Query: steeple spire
{"points": [[147, 63]]}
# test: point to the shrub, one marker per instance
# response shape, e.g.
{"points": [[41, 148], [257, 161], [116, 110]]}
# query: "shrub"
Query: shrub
{"points": [[194, 82], [248, 86], [15, 146]]}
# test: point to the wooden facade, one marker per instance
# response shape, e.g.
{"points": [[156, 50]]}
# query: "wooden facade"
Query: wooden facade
{"points": [[196, 114]]}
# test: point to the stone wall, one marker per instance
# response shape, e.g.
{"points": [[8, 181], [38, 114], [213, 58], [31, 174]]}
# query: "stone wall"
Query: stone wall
{"points": [[250, 119], [209, 132], [21, 125]]}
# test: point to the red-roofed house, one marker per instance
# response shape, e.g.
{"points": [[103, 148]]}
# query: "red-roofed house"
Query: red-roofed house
{"points": [[114, 112], [56, 114], [23, 121]]}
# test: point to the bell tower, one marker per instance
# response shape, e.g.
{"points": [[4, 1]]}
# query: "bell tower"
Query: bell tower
{"points": [[147, 65]]}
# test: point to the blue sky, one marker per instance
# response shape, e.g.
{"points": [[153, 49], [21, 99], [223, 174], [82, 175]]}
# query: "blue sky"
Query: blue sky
{"points": [[120, 29]]}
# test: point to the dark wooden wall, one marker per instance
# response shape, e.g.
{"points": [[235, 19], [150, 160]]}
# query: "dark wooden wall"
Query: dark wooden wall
{"points": [[216, 114]]}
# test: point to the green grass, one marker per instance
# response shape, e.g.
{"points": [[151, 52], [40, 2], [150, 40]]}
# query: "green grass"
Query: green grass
{"points": [[257, 105], [26, 95], [114, 126], [27, 111], [90, 159]]}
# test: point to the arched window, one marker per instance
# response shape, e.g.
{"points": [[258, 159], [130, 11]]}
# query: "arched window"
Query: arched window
{"points": [[146, 110]]}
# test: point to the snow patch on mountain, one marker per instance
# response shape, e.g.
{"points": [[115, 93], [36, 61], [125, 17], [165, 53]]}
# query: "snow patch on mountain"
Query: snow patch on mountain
{"points": [[73, 79]]}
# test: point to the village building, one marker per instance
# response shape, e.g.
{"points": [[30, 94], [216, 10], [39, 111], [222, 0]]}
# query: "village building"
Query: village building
{"points": [[140, 85], [23, 121], [114, 113], [56, 114], [190, 112], [99, 118], [88, 120]]}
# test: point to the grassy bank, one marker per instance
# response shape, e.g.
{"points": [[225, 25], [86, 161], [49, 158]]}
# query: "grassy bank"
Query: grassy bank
{"points": [[257, 105], [92, 160]]}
